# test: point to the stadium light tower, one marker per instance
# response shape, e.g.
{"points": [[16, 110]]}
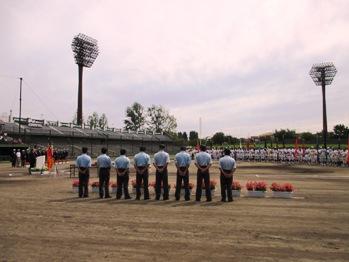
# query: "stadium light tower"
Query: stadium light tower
{"points": [[85, 51], [322, 75]]}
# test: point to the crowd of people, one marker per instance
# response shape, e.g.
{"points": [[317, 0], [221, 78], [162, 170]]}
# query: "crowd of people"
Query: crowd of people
{"points": [[161, 159], [21, 157], [311, 156]]}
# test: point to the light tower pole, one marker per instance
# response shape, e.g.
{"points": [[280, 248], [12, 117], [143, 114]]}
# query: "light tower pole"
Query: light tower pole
{"points": [[85, 51], [323, 74]]}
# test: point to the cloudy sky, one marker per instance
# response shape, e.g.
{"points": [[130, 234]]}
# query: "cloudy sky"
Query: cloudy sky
{"points": [[242, 66]]}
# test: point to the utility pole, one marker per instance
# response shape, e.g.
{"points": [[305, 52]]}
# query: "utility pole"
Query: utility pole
{"points": [[20, 106]]}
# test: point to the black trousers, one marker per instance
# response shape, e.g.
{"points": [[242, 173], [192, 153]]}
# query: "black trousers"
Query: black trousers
{"points": [[139, 179], [226, 183], [83, 182], [185, 180], [206, 177], [104, 177], [122, 183], [161, 178]]}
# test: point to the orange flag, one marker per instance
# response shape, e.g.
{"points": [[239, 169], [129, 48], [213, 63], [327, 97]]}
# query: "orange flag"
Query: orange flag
{"points": [[49, 157]]}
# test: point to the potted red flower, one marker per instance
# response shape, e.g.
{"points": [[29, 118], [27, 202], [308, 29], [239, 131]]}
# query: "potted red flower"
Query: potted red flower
{"points": [[95, 186], [114, 187], [153, 185], [256, 188], [190, 186], [282, 190], [213, 184], [236, 188], [134, 185], [75, 186]]}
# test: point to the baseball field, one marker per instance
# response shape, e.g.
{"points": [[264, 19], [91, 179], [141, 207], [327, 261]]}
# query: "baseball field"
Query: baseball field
{"points": [[42, 220]]}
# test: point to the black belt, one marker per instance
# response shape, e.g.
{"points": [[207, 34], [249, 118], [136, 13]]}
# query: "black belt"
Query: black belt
{"points": [[182, 168], [121, 169]]}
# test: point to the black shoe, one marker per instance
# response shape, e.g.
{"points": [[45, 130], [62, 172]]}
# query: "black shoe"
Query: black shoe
{"points": [[230, 200], [85, 196], [187, 199], [208, 200], [127, 197], [146, 198], [198, 200], [137, 198], [177, 199], [118, 197], [157, 198], [223, 200], [166, 198], [107, 197]]}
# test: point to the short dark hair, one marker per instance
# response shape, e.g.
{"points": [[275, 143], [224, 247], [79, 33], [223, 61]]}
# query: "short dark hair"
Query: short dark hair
{"points": [[161, 146], [227, 152], [104, 150], [183, 148], [142, 149], [122, 152], [203, 148], [84, 150]]}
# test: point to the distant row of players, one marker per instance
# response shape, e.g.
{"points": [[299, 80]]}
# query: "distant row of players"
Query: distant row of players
{"points": [[331, 157], [19, 158]]}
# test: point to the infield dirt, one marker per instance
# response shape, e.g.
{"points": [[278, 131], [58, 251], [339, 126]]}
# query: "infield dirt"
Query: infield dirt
{"points": [[42, 220]]}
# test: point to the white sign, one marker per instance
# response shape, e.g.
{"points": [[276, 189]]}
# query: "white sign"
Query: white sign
{"points": [[40, 162]]}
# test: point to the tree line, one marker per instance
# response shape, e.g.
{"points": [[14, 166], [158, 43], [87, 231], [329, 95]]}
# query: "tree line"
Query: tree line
{"points": [[155, 118]]}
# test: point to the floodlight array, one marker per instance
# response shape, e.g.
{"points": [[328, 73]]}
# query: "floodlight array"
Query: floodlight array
{"points": [[323, 72], [85, 50]]}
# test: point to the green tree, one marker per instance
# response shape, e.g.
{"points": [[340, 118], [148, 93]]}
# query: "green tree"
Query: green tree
{"points": [[159, 120], [103, 121], [218, 138], [308, 137], [93, 120], [135, 117], [193, 136], [340, 131], [185, 136]]}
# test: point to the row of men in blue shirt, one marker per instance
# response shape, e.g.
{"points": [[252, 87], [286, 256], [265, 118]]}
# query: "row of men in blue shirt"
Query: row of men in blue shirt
{"points": [[203, 162]]}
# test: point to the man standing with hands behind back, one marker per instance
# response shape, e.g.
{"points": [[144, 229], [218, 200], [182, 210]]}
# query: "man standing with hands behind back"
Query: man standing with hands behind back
{"points": [[227, 166], [141, 164], [122, 164], [83, 162], [203, 162], [161, 160], [182, 164], [104, 165]]}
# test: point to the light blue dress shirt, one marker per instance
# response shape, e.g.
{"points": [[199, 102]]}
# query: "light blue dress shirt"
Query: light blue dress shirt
{"points": [[141, 159], [103, 161], [227, 163], [161, 158], [122, 162], [203, 158], [83, 160], [183, 159]]}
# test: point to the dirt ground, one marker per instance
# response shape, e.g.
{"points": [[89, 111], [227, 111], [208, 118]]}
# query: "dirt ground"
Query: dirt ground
{"points": [[42, 220]]}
